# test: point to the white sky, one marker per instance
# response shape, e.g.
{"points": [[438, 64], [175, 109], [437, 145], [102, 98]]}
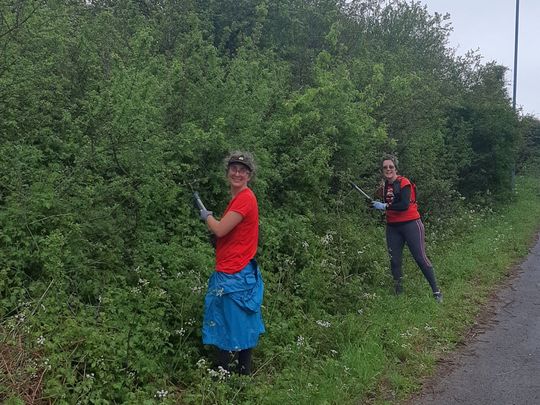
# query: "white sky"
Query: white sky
{"points": [[489, 26]]}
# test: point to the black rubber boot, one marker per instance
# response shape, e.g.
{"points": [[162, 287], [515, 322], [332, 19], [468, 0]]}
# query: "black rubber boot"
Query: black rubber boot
{"points": [[244, 362], [224, 359]]}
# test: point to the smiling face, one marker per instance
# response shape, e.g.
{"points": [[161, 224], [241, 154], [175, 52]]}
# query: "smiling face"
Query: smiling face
{"points": [[238, 176], [389, 170]]}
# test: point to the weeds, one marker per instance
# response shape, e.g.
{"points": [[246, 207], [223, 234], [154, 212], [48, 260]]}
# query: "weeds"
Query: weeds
{"points": [[334, 334]]}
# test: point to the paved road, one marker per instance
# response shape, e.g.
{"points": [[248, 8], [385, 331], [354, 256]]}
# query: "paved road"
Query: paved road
{"points": [[502, 365]]}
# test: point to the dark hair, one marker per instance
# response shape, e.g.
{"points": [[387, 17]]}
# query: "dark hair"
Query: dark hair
{"points": [[393, 158]]}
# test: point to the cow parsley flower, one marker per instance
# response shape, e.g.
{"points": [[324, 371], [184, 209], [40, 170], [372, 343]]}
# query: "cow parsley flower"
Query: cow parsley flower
{"points": [[161, 394], [324, 324]]}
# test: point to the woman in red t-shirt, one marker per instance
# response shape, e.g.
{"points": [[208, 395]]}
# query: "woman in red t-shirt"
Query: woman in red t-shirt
{"points": [[403, 225], [232, 315]]}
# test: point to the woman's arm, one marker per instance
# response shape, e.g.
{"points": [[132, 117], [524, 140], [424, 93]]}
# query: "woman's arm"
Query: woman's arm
{"points": [[227, 223], [404, 201]]}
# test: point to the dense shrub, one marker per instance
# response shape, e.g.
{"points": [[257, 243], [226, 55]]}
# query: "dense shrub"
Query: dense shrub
{"points": [[114, 112]]}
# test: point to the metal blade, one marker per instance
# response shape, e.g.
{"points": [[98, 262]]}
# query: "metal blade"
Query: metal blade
{"points": [[361, 191]]}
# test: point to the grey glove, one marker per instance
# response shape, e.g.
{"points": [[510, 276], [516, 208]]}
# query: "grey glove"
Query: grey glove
{"points": [[204, 214], [379, 205]]}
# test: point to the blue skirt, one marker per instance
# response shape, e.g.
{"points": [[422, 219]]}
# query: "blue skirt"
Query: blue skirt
{"points": [[232, 309]]}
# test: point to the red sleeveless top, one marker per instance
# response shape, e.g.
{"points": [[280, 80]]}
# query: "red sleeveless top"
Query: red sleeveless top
{"points": [[392, 192]]}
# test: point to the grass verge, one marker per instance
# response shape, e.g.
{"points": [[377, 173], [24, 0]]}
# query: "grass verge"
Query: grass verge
{"points": [[382, 353]]}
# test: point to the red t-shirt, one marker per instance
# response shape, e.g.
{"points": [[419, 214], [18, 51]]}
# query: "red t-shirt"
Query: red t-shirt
{"points": [[239, 246], [411, 213]]}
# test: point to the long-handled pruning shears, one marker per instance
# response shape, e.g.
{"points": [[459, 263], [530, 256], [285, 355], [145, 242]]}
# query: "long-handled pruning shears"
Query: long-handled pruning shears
{"points": [[196, 198], [201, 207], [198, 201], [361, 191]]}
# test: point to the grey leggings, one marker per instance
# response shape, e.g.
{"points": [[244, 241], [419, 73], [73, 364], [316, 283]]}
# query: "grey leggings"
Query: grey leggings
{"points": [[412, 233]]}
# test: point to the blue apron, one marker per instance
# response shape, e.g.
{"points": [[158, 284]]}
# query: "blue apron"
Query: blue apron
{"points": [[232, 309]]}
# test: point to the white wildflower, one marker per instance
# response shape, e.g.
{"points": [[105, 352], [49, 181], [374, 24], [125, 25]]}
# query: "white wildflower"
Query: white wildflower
{"points": [[180, 332], [324, 324], [197, 289], [327, 239], [201, 363], [143, 282], [290, 261], [300, 341], [40, 340], [46, 364], [161, 394], [20, 318], [221, 374], [406, 334]]}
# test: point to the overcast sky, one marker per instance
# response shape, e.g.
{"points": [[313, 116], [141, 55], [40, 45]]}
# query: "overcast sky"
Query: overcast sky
{"points": [[489, 26]]}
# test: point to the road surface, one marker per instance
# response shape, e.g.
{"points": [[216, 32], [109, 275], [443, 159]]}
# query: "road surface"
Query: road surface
{"points": [[501, 366]]}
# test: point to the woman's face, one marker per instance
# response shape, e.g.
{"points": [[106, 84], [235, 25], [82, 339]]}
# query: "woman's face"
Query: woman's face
{"points": [[238, 175], [389, 170]]}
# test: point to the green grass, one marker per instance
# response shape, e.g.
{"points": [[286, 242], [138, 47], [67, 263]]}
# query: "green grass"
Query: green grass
{"points": [[382, 354]]}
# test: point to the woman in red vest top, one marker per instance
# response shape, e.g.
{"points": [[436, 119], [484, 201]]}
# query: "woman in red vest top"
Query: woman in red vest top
{"points": [[403, 225]]}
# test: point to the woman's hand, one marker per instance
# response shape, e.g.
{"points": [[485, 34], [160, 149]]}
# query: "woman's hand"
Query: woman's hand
{"points": [[204, 214], [379, 205]]}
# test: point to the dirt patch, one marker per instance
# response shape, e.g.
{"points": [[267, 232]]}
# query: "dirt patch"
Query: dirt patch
{"points": [[21, 376]]}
